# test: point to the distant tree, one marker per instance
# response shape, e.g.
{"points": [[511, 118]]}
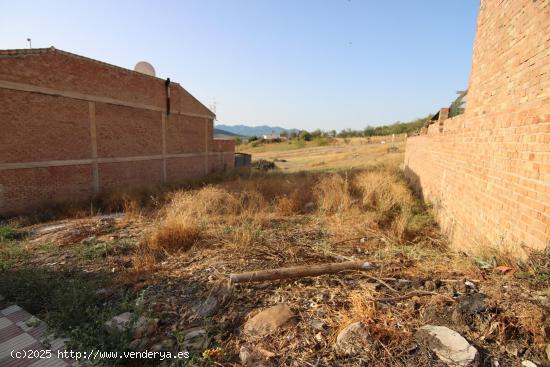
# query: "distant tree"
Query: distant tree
{"points": [[457, 107], [305, 135], [346, 133], [396, 128], [316, 133], [284, 134], [252, 138]]}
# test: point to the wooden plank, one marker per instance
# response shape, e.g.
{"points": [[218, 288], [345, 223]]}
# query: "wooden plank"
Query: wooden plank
{"points": [[299, 271]]}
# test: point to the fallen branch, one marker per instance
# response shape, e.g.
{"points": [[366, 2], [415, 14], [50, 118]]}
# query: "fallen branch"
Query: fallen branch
{"points": [[299, 271]]}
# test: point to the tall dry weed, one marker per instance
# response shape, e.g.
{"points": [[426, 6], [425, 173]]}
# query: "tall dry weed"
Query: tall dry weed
{"points": [[209, 200], [289, 204], [332, 194], [388, 197], [175, 234], [382, 191], [245, 235]]}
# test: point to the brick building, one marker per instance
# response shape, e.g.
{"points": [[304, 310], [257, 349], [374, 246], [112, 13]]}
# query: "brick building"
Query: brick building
{"points": [[72, 127], [488, 170]]}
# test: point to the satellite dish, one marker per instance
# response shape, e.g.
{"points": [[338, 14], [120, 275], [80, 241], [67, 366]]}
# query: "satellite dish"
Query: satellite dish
{"points": [[145, 68]]}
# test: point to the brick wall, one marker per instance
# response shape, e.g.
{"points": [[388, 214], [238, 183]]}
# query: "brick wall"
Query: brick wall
{"points": [[226, 158], [488, 171], [73, 127]]}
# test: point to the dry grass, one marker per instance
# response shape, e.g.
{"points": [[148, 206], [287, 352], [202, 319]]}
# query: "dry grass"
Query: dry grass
{"points": [[340, 154], [361, 308], [333, 194], [175, 234], [390, 330], [384, 194], [200, 233], [236, 211], [290, 204], [245, 236]]}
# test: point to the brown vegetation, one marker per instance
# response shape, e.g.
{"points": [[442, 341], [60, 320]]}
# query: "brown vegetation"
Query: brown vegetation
{"points": [[177, 246], [235, 211]]}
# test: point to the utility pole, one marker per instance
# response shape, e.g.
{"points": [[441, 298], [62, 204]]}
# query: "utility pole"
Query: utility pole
{"points": [[30, 43]]}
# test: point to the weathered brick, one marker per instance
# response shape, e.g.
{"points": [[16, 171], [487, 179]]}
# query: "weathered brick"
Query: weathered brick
{"points": [[72, 127], [487, 170]]}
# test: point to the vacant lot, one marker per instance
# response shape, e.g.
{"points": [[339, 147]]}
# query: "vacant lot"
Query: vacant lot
{"points": [[165, 255], [330, 154]]}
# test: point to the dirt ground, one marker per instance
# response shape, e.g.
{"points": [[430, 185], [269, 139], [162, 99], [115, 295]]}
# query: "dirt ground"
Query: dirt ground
{"points": [[338, 154], [166, 256]]}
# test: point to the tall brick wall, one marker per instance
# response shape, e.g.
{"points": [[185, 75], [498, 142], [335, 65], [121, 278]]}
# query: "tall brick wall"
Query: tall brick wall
{"points": [[488, 170], [72, 127]]}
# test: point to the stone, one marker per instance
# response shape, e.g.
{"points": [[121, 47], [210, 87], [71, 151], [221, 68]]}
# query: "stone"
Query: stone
{"points": [[120, 322], [353, 339], [246, 356], [104, 293], [319, 336], [309, 206], [145, 327], [268, 320], [318, 325], [195, 339], [472, 304], [547, 350], [448, 345], [207, 308], [527, 363]]}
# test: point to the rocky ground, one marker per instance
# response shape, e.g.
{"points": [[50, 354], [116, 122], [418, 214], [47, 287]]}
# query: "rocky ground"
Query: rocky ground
{"points": [[418, 307], [97, 280]]}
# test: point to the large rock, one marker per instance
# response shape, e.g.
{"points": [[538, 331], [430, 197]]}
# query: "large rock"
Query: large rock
{"points": [[119, 322], [195, 339], [268, 321], [206, 308], [449, 346], [353, 339], [145, 327]]}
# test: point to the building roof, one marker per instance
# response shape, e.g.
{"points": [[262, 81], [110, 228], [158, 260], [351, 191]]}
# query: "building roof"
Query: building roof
{"points": [[53, 50]]}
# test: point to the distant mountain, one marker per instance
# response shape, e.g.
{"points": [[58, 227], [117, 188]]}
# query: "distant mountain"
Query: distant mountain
{"points": [[245, 130], [223, 134]]}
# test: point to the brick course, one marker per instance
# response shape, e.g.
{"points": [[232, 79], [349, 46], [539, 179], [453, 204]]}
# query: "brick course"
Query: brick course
{"points": [[488, 170], [73, 127]]}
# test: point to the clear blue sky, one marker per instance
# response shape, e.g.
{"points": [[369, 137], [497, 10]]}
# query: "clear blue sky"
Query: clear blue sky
{"points": [[305, 64]]}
